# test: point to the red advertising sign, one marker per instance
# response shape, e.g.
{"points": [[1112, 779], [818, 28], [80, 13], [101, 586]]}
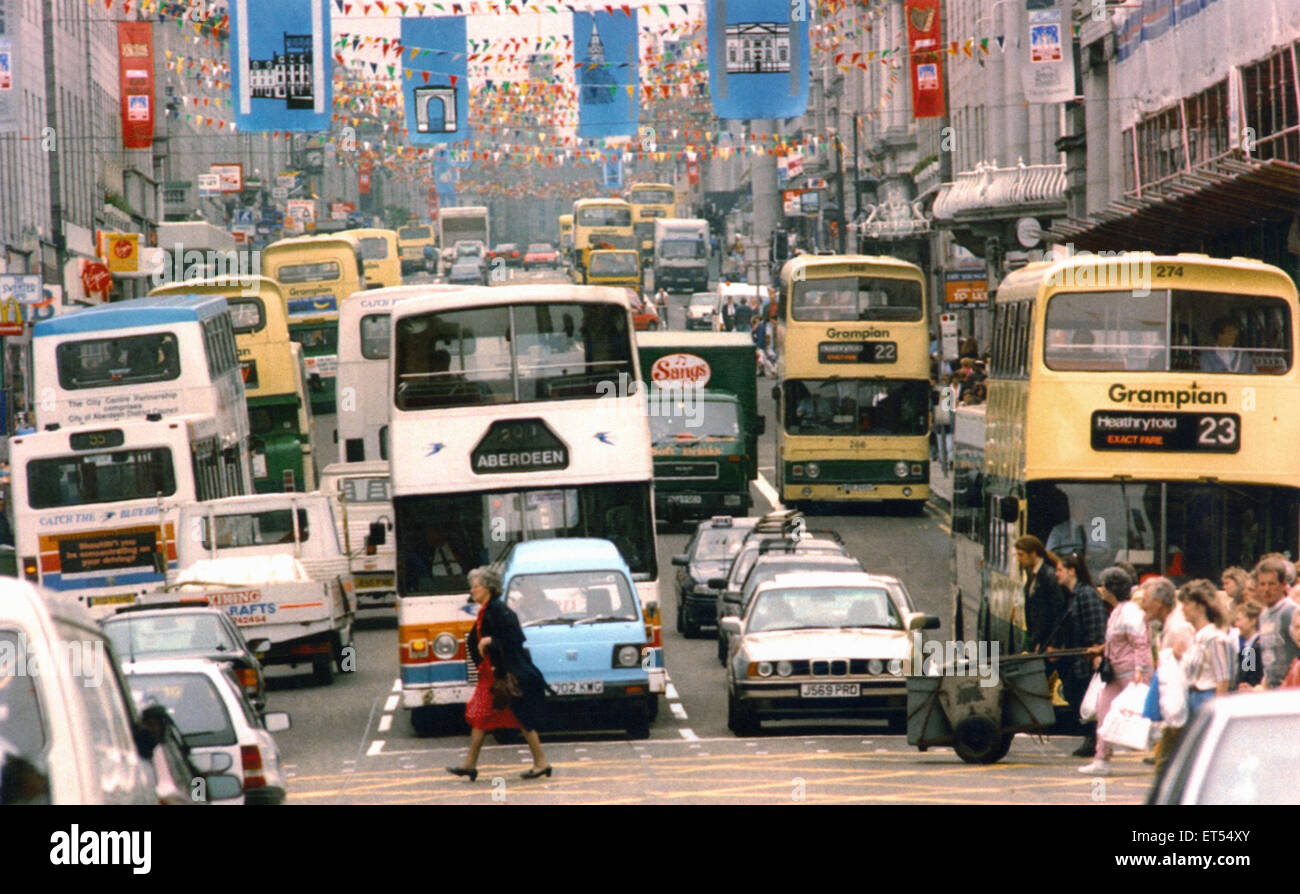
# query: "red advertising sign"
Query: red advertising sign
{"points": [[925, 48], [135, 73], [363, 179], [693, 171], [95, 278]]}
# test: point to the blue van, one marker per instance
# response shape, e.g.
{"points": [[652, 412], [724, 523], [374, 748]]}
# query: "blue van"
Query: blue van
{"points": [[583, 627]]}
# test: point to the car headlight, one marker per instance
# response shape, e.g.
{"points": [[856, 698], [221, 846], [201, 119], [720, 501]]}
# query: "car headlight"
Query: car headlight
{"points": [[814, 470], [876, 666], [784, 668], [900, 469], [627, 656], [445, 646], [764, 668]]}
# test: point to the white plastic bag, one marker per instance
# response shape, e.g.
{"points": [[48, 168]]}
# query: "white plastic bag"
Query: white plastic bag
{"points": [[1124, 725], [1088, 710], [1173, 689]]}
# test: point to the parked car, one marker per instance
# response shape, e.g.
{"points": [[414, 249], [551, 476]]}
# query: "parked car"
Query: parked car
{"points": [[702, 311], [184, 630], [708, 555], [820, 644], [541, 254], [225, 735], [1240, 749], [585, 629], [72, 733]]}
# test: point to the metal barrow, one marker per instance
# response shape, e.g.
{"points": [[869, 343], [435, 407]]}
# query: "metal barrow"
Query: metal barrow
{"points": [[978, 716]]}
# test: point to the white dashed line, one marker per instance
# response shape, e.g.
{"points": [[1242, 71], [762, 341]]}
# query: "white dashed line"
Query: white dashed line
{"points": [[385, 723], [375, 748], [678, 711], [767, 490], [397, 685], [391, 704], [670, 693]]}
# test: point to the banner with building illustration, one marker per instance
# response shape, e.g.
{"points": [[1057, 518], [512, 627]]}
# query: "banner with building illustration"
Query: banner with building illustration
{"points": [[924, 38], [280, 65], [435, 80], [759, 58], [1047, 74], [11, 105], [135, 78], [607, 70]]}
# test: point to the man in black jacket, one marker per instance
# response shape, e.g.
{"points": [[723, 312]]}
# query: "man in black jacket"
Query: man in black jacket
{"points": [[1044, 600]]}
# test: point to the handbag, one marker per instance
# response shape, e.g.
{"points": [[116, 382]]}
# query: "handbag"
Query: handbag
{"points": [[1088, 709], [505, 689], [1106, 670]]}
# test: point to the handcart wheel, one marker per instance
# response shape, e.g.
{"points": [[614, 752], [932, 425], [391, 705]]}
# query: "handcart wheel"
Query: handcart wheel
{"points": [[978, 740]]}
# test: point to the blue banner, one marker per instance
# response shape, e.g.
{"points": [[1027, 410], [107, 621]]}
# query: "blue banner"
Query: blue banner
{"points": [[281, 69], [608, 74], [759, 58], [436, 91]]}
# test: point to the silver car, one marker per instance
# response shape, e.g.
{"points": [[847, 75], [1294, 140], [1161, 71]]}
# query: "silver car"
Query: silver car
{"points": [[822, 644], [1242, 748]]}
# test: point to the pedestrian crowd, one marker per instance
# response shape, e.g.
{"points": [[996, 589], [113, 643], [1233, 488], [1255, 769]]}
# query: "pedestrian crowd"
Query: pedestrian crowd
{"points": [[757, 317], [1188, 643], [965, 384]]}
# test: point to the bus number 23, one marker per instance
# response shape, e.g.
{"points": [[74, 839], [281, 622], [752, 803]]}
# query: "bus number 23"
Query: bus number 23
{"points": [[1216, 431]]}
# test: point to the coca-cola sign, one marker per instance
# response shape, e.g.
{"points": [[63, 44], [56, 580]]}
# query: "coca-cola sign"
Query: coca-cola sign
{"points": [[680, 369]]}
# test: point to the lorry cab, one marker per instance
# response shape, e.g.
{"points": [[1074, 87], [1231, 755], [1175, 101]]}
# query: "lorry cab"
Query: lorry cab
{"points": [[584, 628], [615, 268], [365, 526]]}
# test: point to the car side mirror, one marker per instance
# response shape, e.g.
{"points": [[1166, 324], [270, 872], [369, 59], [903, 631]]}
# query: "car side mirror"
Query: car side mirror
{"points": [[259, 647], [730, 626], [1009, 510], [681, 560], [760, 425], [277, 721], [923, 622], [717, 583]]}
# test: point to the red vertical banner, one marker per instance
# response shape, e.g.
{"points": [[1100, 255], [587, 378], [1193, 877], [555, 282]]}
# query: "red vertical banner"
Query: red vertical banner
{"points": [[925, 48], [135, 73], [693, 171], [363, 179]]}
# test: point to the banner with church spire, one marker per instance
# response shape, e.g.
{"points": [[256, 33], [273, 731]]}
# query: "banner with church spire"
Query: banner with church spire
{"points": [[605, 53]]}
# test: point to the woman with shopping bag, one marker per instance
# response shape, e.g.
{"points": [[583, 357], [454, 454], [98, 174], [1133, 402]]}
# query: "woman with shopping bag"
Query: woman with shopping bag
{"points": [[1124, 659]]}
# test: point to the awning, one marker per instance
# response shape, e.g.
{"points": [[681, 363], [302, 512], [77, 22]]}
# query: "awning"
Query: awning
{"points": [[1224, 195]]}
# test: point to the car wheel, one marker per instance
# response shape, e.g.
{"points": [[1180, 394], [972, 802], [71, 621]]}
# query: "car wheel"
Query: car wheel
{"points": [[741, 721], [424, 721], [978, 740], [638, 721], [322, 671]]}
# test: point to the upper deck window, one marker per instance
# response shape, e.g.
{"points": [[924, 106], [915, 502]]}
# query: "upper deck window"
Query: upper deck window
{"points": [[373, 248], [654, 197], [320, 271], [499, 355], [105, 362], [605, 216], [844, 299], [1168, 330]]}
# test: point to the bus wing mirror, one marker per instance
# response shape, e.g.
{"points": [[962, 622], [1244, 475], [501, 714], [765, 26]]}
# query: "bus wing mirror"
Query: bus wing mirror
{"points": [[1009, 510], [760, 425]]}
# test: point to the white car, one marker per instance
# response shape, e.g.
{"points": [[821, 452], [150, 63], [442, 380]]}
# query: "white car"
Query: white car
{"points": [[223, 732], [822, 644]]}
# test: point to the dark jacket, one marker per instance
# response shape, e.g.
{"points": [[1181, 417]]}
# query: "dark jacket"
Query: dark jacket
{"points": [[508, 655], [1085, 626], [1044, 608]]}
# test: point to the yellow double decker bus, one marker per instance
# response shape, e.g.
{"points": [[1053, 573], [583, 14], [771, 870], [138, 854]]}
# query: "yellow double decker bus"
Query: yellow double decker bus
{"points": [[275, 382], [1141, 409], [854, 388], [650, 202], [599, 224], [566, 237]]}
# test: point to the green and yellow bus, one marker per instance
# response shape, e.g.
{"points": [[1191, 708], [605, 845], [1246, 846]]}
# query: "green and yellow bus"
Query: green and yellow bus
{"points": [[650, 202], [854, 382], [599, 224]]}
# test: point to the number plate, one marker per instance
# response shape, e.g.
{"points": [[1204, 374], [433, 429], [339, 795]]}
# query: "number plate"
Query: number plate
{"points": [[373, 582], [693, 499], [859, 488], [121, 599], [579, 687], [452, 695], [828, 690]]}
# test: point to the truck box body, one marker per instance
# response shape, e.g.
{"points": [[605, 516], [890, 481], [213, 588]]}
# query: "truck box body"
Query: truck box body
{"points": [[681, 254]]}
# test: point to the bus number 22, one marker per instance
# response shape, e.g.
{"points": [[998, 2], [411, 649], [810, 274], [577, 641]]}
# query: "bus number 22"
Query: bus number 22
{"points": [[1217, 431], [887, 352]]}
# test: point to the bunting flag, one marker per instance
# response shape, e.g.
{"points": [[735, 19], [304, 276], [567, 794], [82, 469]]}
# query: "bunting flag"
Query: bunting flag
{"points": [[925, 47], [435, 82], [1049, 75], [280, 65], [605, 52], [11, 103], [135, 79], [759, 58]]}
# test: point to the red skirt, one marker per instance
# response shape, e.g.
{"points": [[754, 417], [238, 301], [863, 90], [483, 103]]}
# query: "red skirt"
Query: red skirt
{"points": [[479, 711]]}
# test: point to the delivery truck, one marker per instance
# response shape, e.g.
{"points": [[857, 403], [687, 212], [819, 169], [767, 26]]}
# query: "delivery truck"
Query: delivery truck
{"points": [[681, 254]]}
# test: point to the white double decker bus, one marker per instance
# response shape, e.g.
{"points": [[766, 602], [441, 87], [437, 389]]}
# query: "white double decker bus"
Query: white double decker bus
{"points": [[511, 420]]}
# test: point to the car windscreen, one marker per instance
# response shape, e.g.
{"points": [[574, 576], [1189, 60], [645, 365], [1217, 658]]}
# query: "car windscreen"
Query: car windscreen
{"points": [[571, 596], [170, 635], [762, 572], [857, 407], [704, 299], [21, 720], [719, 544], [803, 608], [613, 265], [678, 419], [246, 529], [682, 249], [539, 248], [192, 700]]}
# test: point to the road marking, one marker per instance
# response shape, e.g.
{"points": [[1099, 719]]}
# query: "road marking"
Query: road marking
{"points": [[397, 685], [689, 735], [678, 711], [768, 491], [385, 723], [391, 704], [376, 747], [670, 692]]}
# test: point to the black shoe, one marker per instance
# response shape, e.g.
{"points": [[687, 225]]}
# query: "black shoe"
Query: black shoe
{"points": [[472, 772], [1087, 749], [534, 773]]}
